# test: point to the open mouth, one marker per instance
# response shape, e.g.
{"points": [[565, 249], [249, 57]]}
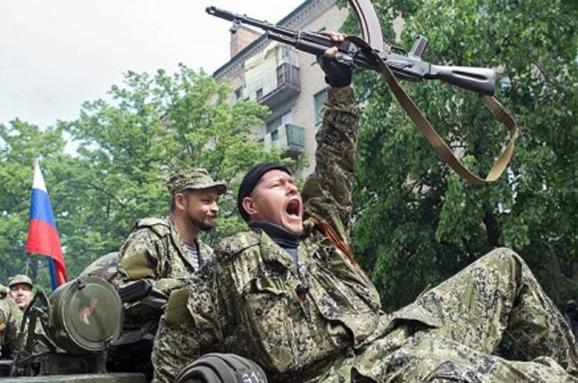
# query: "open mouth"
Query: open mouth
{"points": [[293, 208]]}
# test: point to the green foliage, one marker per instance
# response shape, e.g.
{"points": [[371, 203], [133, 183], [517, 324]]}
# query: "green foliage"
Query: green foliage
{"points": [[418, 222], [153, 126], [20, 144]]}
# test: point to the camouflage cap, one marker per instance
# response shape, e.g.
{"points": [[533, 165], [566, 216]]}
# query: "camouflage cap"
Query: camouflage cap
{"points": [[20, 278], [195, 180]]}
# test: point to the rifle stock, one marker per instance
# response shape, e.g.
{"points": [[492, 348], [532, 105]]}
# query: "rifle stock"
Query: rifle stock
{"points": [[479, 80]]}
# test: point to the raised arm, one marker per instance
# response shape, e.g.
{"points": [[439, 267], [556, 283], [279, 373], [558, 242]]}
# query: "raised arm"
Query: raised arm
{"points": [[327, 192]]}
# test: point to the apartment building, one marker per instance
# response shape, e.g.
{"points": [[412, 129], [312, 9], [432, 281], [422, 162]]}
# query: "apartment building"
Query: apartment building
{"points": [[289, 82]]}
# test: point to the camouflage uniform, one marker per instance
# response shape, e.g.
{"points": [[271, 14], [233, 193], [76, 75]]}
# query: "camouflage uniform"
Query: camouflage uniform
{"points": [[154, 250], [187, 328], [10, 318], [322, 321]]}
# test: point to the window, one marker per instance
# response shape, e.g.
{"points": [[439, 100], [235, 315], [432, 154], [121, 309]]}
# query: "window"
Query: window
{"points": [[275, 123], [287, 55], [274, 136], [259, 93], [239, 92], [319, 101]]}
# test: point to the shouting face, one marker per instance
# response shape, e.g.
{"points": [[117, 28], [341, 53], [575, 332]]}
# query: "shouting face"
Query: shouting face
{"points": [[275, 199], [198, 207]]}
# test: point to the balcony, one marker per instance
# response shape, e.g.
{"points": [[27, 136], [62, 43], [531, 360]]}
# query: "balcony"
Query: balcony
{"points": [[288, 86], [288, 138]]}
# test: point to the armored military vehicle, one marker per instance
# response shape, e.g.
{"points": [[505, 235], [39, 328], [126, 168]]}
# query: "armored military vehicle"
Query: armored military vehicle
{"points": [[65, 337]]}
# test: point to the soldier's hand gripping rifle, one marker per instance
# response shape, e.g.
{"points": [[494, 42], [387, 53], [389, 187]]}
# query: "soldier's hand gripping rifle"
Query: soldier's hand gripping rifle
{"points": [[372, 53]]}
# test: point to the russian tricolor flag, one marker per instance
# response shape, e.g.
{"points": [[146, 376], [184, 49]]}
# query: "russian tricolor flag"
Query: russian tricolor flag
{"points": [[42, 234]]}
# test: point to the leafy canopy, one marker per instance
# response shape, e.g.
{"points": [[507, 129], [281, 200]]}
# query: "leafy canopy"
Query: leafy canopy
{"points": [[125, 148], [418, 222]]}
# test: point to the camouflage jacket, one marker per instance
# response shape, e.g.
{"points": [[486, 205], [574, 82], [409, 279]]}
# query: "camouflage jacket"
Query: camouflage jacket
{"points": [[10, 318], [154, 250], [296, 322], [300, 321], [296, 318]]}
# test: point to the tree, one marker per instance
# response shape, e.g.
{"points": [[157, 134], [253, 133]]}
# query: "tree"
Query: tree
{"points": [[125, 148], [155, 126], [416, 221], [20, 144]]}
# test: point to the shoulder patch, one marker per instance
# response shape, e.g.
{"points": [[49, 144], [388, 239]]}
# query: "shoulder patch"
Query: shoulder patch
{"points": [[160, 226], [235, 244]]}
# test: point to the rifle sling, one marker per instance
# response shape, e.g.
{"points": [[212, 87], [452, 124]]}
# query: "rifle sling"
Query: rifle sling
{"points": [[337, 241], [425, 127]]}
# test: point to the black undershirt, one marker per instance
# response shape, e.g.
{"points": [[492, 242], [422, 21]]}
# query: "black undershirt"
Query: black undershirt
{"points": [[285, 239]]}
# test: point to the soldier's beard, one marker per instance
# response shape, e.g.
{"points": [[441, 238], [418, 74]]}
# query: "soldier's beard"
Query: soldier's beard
{"points": [[204, 224], [207, 227]]}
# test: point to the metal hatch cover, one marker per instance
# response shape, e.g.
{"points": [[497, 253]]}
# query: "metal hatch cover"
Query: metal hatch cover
{"points": [[86, 315]]}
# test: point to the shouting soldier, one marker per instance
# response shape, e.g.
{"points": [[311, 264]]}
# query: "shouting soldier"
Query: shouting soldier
{"points": [[288, 295]]}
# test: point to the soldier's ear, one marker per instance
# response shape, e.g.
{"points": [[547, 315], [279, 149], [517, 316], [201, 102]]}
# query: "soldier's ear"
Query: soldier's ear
{"points": [[249, 206], [180, 201]]}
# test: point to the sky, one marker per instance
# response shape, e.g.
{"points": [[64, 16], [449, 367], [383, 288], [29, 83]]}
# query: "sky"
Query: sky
{"points": [[56, 54]]}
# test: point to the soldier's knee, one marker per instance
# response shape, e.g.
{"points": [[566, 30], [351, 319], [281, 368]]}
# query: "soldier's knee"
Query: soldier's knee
{"points": [[504, 259]]}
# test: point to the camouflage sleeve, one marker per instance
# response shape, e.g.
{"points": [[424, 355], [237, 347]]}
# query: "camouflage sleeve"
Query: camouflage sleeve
{"points": [[236, 269], [10, 318], [138, 259], [327, 192], [3, 325], [189, 328]]}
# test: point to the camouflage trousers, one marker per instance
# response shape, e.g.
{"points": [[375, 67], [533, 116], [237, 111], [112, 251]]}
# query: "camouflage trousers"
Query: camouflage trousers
{"points": [[494, 296]]}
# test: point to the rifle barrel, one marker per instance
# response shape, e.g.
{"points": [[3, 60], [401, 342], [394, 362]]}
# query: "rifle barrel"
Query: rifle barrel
{"points": [[222, 13], [236, 17]]}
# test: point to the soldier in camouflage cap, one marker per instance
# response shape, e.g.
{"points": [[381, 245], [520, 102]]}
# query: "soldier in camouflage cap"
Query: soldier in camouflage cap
{"points": [[168, 250], [289, 296], [21, 290]]}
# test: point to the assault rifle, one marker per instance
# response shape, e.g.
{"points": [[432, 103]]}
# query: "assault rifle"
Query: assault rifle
{"points": [[407, 66], [371, 52]]}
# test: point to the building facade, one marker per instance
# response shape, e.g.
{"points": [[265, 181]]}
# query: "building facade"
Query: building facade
{"points": [[288, 81]]}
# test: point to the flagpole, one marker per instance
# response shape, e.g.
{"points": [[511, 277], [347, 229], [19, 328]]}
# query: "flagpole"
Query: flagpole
{"points": [[27, 265], [27, 262]]}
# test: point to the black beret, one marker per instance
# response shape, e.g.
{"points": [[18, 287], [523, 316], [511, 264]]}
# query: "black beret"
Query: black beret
{"points": [[251, 180]]}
